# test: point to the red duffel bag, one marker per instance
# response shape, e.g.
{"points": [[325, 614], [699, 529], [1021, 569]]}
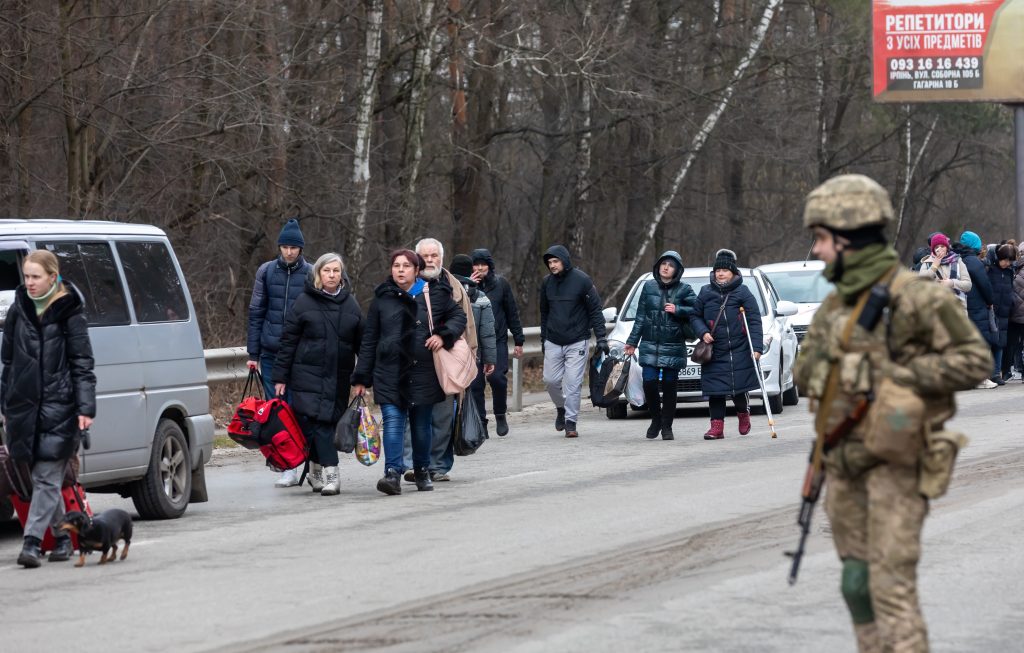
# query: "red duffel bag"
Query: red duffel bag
{"points": [[240, 428], [281, 440]]}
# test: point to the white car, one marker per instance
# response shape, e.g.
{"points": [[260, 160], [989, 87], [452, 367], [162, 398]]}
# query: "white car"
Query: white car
{"points": [[780, 341], [799, 282]]}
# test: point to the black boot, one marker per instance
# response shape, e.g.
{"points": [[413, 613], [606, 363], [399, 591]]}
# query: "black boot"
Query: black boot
{"points": [[560, 419], [423, 483], [653, 407], [30, 556], [391, 482], [668, 409], [502, 425], [62, 549]]}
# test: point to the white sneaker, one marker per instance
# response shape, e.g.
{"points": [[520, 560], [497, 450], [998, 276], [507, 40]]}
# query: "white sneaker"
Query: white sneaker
{"points": [[332, 485], [987, 384], [316, 477], [288, 478]]}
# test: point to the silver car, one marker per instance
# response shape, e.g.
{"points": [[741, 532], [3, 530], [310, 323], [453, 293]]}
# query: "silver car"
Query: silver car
{"points": [[153, 431], [780, 341], [799, 282]]}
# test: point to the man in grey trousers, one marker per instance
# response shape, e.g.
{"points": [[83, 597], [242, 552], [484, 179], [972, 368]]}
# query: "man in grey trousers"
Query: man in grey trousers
{"points": [[570, 308]]}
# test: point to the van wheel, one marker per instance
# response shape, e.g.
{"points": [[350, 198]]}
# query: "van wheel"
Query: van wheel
{"points": [[775, 403], [616, 410], [791, 397], [164, 491]]}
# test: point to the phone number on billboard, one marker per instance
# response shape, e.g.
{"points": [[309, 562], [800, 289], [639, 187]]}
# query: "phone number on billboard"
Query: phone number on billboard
{"points": [[935, 63]]}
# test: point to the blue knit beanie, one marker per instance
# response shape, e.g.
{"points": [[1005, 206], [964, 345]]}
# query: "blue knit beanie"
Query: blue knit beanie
{"points": [[971, 240], [291, 235]]}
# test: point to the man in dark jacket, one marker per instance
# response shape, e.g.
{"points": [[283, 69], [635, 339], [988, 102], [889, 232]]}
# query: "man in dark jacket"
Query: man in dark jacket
{"points": [[1001, 276], [570, 309], [279, 283], [979, 299], [506, 318]]}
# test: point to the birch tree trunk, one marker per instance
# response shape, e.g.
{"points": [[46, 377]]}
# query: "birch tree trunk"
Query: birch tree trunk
{"points": [[695, 147], [911, 168], [361, 158], [583, 153]]}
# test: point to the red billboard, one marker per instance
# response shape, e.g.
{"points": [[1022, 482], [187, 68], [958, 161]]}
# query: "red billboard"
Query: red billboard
{"points": [[948, 51]]}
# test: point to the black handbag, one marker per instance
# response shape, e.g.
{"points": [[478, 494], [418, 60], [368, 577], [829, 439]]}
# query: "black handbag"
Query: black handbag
{"points": [[348, 426], [703, 352]]}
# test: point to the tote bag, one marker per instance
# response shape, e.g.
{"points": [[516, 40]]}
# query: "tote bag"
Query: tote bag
{"points": [[455, 367]]}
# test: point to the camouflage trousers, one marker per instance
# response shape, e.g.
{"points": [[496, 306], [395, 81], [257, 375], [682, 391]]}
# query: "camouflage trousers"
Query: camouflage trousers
{"points": [[877, 518]]}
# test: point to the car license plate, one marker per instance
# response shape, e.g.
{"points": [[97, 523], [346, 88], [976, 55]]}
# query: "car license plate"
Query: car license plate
{"points": [[690, 372]]}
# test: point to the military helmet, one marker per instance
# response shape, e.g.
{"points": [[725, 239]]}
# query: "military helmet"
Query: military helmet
{"points": [[848, 202]]}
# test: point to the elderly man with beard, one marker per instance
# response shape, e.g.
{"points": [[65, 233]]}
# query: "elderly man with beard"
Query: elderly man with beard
{"points": [[432, 252]]}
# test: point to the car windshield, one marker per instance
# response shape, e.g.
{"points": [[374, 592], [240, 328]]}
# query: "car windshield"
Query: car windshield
{"points": [[697, 283], [801, 286]]}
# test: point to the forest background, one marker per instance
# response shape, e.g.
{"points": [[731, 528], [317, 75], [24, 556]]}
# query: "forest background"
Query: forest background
{"points": [[616, 127]]}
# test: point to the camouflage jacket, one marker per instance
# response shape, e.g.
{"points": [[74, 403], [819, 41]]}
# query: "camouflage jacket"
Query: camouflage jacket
{"points": [[932, 348]]}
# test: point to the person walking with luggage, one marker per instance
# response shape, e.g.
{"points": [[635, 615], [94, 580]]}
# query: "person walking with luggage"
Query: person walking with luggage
{"points": [[322, 334], [279, 282], [717, 321], [506, 319], [396, 360], [914, 355], [944, 266], [48, 393], [570, 308], [662, 328]]}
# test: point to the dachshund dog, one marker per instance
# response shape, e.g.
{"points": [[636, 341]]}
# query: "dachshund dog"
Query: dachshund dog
{"points": [[99, 533]]}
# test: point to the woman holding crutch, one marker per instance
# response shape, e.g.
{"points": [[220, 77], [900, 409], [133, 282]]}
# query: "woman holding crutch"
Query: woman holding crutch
{"points": [[718, 322]]}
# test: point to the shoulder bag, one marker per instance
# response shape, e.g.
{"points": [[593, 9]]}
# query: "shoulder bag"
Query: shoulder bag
{"points": [[455, 367], [703, 352]]}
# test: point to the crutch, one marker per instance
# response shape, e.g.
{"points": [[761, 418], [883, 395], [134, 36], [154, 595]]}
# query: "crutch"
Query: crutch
{"points": [[760, 377]]}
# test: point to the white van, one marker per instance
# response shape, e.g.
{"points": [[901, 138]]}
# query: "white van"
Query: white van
{"points": [[153, 432]]}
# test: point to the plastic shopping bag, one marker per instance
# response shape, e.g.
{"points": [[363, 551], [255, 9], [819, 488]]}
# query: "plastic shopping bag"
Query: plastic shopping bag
{"points": [[635, 385], [368, 437]]}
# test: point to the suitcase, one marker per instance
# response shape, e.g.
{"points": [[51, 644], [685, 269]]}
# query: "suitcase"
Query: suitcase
{"points": [[74, 499]]}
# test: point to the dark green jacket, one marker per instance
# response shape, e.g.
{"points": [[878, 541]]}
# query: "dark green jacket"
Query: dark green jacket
{"points": [[662, 336]]}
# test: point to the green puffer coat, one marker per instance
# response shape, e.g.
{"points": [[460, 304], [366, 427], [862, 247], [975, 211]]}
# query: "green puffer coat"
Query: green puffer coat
{"points": [[662, 336]]}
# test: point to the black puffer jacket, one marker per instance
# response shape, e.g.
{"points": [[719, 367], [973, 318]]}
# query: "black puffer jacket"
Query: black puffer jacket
{"points": [[1002, 298], [318, 352], [569, 304], [503, 302], [732, 370], [48, 378], [662, 336], [278, 285], [393, 358], [980, 296]]}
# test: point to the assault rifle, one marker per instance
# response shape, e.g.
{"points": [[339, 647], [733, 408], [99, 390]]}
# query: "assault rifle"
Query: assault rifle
{"points": [[814, 479]]}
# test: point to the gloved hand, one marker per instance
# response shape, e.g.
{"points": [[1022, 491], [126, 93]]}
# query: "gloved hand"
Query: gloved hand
{"points": [[602, 346]]}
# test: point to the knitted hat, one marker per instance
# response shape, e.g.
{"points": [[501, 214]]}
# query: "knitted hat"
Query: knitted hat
{"points": [[461, 266], [939, 239], [291, 235], [971, 240], [725, 259]]}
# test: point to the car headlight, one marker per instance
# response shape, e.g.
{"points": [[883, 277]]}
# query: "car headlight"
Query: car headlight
{"points": [[768, 341], [616, 348]]}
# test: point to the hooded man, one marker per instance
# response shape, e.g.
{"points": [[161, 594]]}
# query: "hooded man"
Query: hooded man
{"points": [[506, 318], [279, 282], [570, 308], [899, 345]]}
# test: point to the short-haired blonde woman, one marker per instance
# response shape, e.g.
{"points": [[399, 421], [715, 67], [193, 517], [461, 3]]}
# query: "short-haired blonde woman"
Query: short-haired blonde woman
{"points": [[48, 391], [318, 350]]}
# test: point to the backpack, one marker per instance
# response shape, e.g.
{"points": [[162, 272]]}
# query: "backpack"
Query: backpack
{"points": [[281, 440]]}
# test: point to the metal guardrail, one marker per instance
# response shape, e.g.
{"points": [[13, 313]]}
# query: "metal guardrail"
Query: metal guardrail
{"points": [[229, 364]]}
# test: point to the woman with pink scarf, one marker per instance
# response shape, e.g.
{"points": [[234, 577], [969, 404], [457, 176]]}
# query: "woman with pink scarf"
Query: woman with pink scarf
{"points": [[946, 267]]}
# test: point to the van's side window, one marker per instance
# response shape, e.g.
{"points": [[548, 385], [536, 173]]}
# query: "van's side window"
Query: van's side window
{"points": [[153, 282], [90, 267]]}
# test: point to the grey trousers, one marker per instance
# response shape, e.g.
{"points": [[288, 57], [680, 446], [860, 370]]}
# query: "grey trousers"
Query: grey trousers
{"points": [[47, 507], [442, 421], [563, 375]]}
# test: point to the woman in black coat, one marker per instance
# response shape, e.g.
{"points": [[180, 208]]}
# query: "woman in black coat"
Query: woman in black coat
{"points": [[48, 392], [731, 372], [396, 359], [315, 361], [1000, 275]]}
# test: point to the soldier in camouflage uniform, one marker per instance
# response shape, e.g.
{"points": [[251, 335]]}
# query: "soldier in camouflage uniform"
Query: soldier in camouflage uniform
{"points": [[923, 343]]}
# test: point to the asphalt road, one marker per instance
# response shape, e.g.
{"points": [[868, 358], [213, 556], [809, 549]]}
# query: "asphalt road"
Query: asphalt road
{"points": [[606, 543]]}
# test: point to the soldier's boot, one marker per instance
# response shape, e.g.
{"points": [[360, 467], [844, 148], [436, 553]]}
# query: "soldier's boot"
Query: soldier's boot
{"points": [[717, 430], [867, 638], [744, 419], [653, 407]]}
